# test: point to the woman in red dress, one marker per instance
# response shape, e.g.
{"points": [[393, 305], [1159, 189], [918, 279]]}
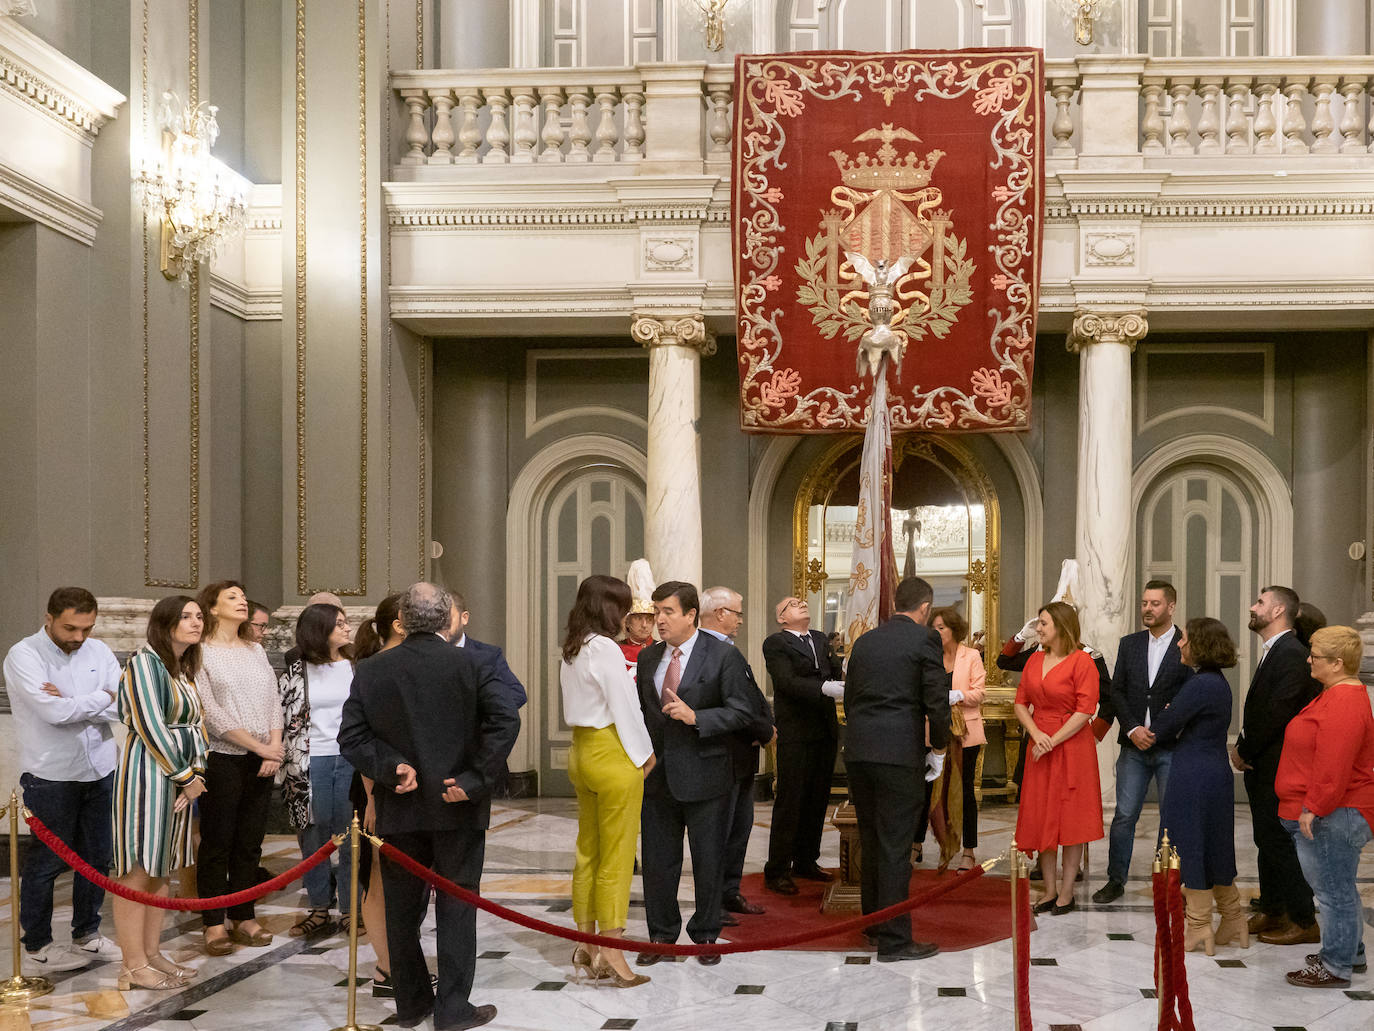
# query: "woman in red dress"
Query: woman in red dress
{"points": [[1061, 795]]}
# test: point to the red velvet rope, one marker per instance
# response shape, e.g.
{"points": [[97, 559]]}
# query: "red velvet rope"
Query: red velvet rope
{"points": [[1183, 1020], [472, 898], [1163, 953], [1021, 955], [86, 870]]}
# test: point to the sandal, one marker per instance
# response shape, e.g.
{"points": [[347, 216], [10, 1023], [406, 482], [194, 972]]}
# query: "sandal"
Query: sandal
{"points": [[315, 921], [219, 945], [174, 968], [257, 939], [968, 862], [161, 981], [347, 918]]}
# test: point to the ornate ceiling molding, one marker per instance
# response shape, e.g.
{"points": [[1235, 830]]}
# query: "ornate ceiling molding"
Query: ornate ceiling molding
{"points": [[49, 207], [46, 79], [588, 215]]}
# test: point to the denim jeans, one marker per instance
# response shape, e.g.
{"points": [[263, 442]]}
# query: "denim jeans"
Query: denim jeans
{"points": [[1329, 863], [330, 777], [79, 812], [1134, 769]]}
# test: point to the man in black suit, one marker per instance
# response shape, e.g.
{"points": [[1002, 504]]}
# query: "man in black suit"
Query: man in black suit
{"points": [[694, 691], [722, 612], [1149, 673], [433, 733], [805, 686], [1281, 686], [896, 682], [488, 656]]}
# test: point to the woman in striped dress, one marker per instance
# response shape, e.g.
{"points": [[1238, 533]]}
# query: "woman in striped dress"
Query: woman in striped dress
{"points": [[161, 771]]}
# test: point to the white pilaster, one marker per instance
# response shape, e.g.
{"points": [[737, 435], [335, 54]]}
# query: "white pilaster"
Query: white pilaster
{"points": [[1104, 342], [673, 491]]}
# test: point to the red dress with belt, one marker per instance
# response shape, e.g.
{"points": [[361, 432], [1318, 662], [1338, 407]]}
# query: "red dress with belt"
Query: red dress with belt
{"points": [[1061, 794]]}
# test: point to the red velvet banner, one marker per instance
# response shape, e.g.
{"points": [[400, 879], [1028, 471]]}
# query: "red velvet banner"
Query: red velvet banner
{"points": [[846, 160]]}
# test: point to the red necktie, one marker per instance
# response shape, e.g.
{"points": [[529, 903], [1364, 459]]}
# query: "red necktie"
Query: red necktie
{"points": [[672, 677]]}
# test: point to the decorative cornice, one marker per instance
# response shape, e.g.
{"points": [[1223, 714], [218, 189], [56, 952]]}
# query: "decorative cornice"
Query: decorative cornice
{"points": [[238, 300], [673, 331], [589, 215], [1098, 327], [1216, 208], [48, 80], [48, 207]]}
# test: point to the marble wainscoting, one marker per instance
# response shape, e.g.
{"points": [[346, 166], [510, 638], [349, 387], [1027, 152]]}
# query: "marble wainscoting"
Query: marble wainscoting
{"points": [[1091, 968]]}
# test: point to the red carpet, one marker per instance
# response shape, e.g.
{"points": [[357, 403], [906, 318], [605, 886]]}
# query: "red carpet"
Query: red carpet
{"points": [[976, 914]]}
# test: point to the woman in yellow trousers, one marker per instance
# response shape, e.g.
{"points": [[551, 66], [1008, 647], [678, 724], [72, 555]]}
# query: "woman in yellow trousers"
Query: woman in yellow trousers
{"points": [[609, 759]]}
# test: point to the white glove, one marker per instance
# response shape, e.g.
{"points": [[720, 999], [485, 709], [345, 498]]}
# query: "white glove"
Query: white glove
{"points": [[955, 697], [1028, 633], [833, 688], [935, 762]]}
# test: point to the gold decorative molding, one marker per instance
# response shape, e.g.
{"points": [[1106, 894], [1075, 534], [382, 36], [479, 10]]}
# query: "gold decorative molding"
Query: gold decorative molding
{"points": [[192, 579], [302, 526], [673, 331], [419, 35], [422, 435], [825, 473], [1094, 327]]}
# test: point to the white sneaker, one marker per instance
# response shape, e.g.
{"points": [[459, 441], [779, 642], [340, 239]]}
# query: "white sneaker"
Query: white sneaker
{"points": [[54, 957], [99, 948]]}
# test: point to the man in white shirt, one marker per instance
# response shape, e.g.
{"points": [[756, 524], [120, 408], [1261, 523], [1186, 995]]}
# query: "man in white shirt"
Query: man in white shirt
{"points": [[62, 686], [722, 612], [1149, 673]]}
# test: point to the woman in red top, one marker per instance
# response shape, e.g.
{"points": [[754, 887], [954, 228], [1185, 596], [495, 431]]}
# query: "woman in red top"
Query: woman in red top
{"points": [[1325, 786], [1061, 795]]}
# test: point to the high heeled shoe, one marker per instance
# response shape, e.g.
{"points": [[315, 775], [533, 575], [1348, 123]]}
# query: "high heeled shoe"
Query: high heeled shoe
{"points": [[173, 968], [163, 982], [601, 970]]}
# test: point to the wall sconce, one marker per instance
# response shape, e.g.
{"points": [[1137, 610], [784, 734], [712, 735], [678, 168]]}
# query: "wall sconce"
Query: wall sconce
{"points": [[1084, 14], [198, 200], [714, 10]]}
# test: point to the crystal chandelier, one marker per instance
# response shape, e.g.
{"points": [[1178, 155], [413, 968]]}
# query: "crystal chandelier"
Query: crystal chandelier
{"points": [[199, 201]]}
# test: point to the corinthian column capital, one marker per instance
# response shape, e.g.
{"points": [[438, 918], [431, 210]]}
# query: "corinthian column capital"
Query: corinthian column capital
{"points": [[674, 331], [1107, 327]]}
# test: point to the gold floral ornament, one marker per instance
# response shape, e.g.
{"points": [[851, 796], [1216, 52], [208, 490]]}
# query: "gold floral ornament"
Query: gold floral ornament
{"points": [[815, 576], [978, 576], [887, 211]]}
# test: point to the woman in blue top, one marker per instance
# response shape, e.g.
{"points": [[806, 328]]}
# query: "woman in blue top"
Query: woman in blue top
{"points": [[1198, 809]]}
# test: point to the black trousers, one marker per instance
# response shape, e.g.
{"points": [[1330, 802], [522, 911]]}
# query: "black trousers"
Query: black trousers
{"points": [[662, 822], [805, 771], [457, 855], [1283, 890], [887, 801], [969, 836], [737, 834], [233, 820]]}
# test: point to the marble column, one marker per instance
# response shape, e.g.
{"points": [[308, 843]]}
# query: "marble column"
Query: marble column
{"points": [[672, 529], [1103, 341]]}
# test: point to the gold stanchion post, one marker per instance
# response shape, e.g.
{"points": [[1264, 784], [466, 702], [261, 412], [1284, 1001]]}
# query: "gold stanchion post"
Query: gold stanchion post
{"points": [[18, 988], [355, 839], [1160, 865], [1017, 871]]}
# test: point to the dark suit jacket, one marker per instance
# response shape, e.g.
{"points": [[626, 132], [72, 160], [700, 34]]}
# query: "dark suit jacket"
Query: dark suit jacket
{"points": [[1131, 689], [804, 713], [744, 745], [1281, 686], [896, 681], [493, 663], [425, 703], [694, 763]]}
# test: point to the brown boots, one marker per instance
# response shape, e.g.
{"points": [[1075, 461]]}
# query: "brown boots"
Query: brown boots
{"points": [[1198, 930], [1233, 928]]}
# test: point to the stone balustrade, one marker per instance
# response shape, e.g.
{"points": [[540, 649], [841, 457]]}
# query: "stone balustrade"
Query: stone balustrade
{"points": [[657, 115]]}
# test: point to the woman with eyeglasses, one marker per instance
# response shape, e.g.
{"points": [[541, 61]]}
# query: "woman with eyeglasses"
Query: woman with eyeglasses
{"points": [[314, 688], [1325, 786]]}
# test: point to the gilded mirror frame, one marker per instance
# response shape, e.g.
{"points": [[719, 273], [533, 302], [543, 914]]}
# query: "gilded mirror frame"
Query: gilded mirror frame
{"points": [[956, 460]]}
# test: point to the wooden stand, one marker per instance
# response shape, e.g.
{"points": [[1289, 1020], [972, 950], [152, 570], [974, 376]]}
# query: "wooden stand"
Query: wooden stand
{"points": [[842, 895]]}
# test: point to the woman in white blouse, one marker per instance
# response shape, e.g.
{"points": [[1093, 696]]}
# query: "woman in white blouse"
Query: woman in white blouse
{"points": [[238, 692], [314, 687], [609, 759]]}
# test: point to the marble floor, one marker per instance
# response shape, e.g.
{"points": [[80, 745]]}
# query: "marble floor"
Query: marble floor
{"points": [[1091, 968]]}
